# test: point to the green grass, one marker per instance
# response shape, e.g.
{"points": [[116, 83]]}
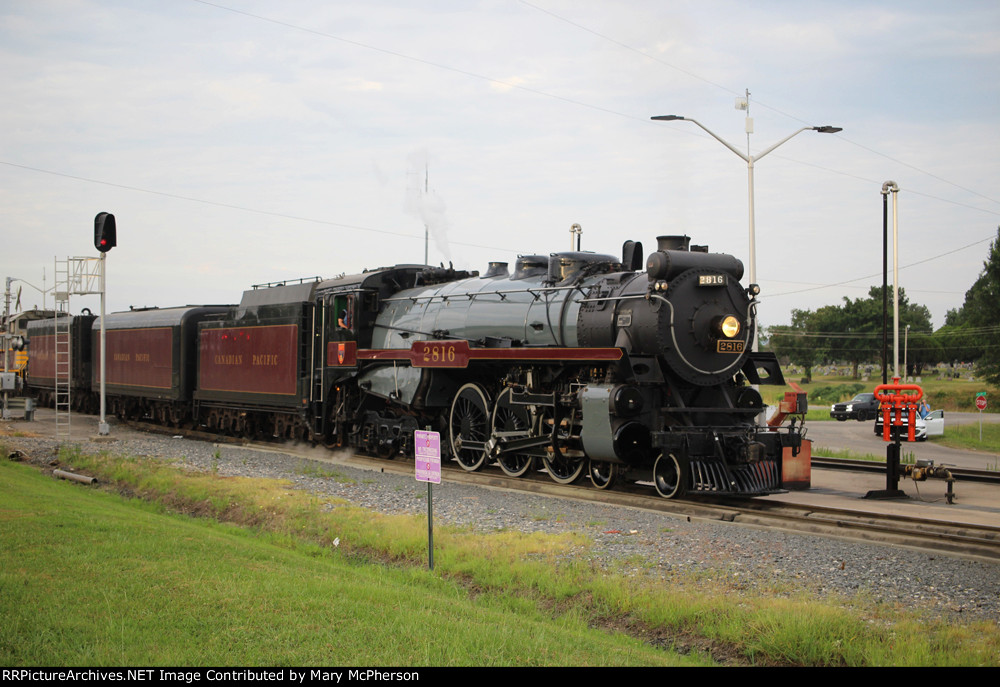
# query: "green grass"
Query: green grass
{"points": [[313, 469], [955, 436], [90, 578], [905, 458], [967, 436]]}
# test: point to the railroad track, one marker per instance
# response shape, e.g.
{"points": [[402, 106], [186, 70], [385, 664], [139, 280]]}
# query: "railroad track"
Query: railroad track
{"points": [[974, 541], [962, 474]]}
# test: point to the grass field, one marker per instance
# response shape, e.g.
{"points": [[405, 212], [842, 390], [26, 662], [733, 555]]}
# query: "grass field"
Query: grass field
{"points": [[949, 394], [92, 579], [267, 575]]}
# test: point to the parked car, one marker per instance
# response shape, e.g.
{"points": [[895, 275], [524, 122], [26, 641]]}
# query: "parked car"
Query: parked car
{"points": [[930, 426], [862, 407]]}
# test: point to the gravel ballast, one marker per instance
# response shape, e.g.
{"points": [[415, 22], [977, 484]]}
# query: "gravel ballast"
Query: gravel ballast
{"points": [[632, 540]]}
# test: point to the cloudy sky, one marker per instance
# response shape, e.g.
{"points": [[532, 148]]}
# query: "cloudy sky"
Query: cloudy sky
{"points": [[248, 141]]}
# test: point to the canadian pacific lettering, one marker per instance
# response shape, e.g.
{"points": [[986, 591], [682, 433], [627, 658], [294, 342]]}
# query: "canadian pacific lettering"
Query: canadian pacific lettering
{"points": [[228, 359]]}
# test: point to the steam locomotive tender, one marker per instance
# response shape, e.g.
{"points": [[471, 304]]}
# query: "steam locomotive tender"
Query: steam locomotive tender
{"points": [[575, 362]]}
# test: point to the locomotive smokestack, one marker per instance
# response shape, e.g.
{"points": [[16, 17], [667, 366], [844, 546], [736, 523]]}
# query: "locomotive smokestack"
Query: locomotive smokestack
{"points": [[681, 242]]}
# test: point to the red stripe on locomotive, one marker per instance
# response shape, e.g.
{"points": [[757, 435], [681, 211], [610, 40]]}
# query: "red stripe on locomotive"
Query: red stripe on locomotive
{"points": [[458, 354]]}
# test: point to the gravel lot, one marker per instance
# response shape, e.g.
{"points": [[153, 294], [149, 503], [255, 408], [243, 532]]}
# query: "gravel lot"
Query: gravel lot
{"points": [[648, 543]]}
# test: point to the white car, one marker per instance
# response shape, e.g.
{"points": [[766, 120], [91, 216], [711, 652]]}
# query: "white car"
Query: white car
{"points": [[934, 423], [930, 426]]}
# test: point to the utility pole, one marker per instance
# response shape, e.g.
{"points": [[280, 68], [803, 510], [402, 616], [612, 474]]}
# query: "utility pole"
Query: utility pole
{"points": [[427, 230]]}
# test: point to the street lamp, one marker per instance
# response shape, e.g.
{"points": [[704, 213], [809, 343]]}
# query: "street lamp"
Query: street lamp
{"points": [[750, 160]]}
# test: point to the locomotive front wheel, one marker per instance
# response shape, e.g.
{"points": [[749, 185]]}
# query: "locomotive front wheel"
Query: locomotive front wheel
{"points": [[603, 475], [670, 476], [514, 422], [469, 426]]}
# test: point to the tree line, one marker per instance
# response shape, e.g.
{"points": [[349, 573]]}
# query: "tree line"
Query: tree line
{"points": [[852, 331]]}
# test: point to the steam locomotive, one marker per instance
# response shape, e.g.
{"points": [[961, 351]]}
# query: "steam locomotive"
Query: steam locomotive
{"points": [[573, 362]]}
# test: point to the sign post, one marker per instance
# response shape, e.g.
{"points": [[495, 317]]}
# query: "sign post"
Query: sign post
{"points": [[981, 404], [105, 238], [427, 452]]}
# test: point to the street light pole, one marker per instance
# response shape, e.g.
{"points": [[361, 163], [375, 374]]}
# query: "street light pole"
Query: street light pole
{"points": [[750, 160]]}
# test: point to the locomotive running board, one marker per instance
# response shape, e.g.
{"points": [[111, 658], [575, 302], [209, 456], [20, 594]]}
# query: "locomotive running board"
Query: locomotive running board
{"points": [[458, 354]]}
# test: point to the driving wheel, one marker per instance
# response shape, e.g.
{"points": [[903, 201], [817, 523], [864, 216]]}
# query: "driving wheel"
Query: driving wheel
{"points": [[512, 421], [564, 464], [469, 425]]}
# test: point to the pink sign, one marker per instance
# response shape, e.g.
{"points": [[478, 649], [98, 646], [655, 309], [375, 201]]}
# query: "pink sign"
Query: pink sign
{"points": [[427, 451]]}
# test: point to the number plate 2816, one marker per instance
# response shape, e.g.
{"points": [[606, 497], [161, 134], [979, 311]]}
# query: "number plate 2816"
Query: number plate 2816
{"points": [[730, 346]]}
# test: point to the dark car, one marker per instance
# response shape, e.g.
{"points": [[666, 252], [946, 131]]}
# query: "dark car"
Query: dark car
{"points": [[862, 407]]}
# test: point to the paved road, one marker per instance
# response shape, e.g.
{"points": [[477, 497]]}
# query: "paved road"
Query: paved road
{"points": [[859, 437]]}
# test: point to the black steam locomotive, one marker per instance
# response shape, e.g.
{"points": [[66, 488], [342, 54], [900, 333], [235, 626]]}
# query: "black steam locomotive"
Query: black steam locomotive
{"points": [[572, 362]]}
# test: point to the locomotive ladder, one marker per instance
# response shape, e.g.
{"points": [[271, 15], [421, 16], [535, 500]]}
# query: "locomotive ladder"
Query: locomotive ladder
{"points": [[73, 276], [63, 351]]}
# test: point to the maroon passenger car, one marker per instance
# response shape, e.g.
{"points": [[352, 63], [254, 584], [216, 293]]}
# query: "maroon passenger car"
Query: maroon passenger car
{"points": [[151, 361], [42, 361]]}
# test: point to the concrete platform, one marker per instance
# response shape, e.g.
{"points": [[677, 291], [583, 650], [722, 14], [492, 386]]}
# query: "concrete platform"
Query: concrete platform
{"points": [[975, 503]]}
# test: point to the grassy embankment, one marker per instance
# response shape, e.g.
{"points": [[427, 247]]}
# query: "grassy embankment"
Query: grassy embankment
{"points": [[268, 575]]}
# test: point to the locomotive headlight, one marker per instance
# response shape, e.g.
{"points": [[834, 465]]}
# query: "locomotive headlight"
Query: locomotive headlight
{"points": [[728, 326]]}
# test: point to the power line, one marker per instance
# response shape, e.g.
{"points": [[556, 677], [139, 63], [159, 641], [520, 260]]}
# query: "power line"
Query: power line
{"points": [[242, 208], [419, 60], [629, 47], [546, 94], [878, 274], [694, 75], [971, 331], [507, 84], [510, 84], [357, 227]]}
